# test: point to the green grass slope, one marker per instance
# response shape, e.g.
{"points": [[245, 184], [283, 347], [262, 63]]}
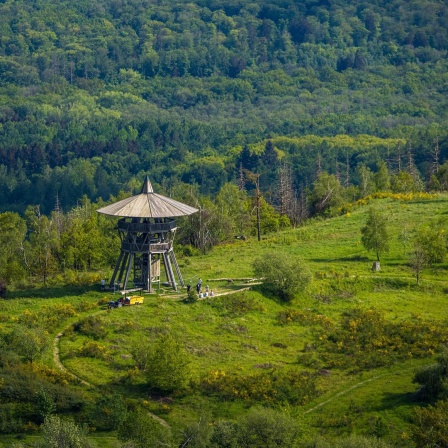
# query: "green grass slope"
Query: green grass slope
{"points": [[340, 358]]}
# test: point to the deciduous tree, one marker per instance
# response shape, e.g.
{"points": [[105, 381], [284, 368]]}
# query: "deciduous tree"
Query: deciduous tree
{"points": [[374, 234]]}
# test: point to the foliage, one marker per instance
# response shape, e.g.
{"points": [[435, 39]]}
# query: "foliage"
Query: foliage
{"points": [[432, 241], [28, 343], [191, 296], [273, 386], [3, 288], [92, 349], [237, 304], [168, 364], [225, 434], [59, 433], [367, 337], [49, 317], [12, 235], [197, 434], [327, 193], [374, 234], [262, 427], [418, 260], [352, 441], [430, 425], [303, 317], [282, 276], [45, 404], [143, 430], [434, 379], [181, 90], [108, 412], [92, 326]]}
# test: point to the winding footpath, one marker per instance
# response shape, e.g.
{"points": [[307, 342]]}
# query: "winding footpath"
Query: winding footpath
{"points": [[355, 386], [60, 366]]}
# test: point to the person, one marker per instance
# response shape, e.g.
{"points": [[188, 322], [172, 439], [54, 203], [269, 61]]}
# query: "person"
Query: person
{"points": [[188, 288], [198, 288], [212, 293], [206, 288], [103, 284]]}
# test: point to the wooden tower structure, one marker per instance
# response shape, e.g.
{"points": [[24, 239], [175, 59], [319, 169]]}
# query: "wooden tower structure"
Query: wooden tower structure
{"points": [[147, 229]]}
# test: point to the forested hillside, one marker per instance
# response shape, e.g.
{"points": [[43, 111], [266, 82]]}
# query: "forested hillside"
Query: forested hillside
{"points": [[95, 93]]}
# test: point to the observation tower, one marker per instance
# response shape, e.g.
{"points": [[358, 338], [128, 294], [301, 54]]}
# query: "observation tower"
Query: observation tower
{"points": [[147, 229]]}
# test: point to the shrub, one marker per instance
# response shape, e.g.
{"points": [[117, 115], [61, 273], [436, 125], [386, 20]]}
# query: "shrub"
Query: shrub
{"points": [[352, 441], [143, 431], [57, 433], [238, 304], [283, 276], [191, 296], [263, 427], [168, 364], [430, 425], [108, 412], [3, 288], [434, 379], [366, 339], [28, 343], [432, 240], [273, 386], [93, 350], [92, 326]]}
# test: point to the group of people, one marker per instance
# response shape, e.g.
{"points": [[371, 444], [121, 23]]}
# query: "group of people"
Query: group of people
{"points": [[201, 294]]}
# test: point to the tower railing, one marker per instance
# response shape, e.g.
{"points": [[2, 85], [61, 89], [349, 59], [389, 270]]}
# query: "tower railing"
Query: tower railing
{"points": [[146, 227]]}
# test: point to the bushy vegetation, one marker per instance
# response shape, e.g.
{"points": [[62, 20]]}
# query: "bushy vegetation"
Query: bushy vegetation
{"points": [[350, 343], [282, 276]]}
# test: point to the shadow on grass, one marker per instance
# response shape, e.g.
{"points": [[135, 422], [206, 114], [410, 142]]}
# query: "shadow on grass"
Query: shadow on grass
{"points": [[53, 291], [354, 258], [393, 400]]}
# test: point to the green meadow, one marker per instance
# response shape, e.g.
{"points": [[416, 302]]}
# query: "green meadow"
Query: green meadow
{"points": [[339, 358]]}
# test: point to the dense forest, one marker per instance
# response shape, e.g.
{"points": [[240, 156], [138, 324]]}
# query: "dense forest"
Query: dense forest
{"points": [[96, 93]]}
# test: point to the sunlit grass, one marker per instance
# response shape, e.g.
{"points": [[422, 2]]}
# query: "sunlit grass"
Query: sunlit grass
{"points": [[219, 337]]}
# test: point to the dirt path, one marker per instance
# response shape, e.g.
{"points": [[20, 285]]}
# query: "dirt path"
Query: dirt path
{"points": [[60, 366], [58, 363], [355, 386]]}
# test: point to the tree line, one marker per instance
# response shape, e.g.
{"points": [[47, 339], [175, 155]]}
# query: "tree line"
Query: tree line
{"points": [[96, 93], [56, 246]]}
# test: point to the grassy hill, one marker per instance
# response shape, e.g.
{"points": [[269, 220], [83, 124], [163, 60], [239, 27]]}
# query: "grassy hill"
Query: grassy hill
{"points": [[339, 359]]}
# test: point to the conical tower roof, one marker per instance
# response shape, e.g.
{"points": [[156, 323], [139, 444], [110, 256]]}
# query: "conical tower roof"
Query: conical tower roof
{"points": [[147, 204]]}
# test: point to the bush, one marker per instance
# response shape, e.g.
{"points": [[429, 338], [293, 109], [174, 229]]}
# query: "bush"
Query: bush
{"points": [[92, 326], [191, 296], [366, 339], [58, 433], [143, 431], [434, 379], [352, 441], [92, 350], [430, 425], [273, 386], [282, 275], [168, 365], [28, 343], [236, 305], [108, 412], [3, 288], [263, 427]]}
